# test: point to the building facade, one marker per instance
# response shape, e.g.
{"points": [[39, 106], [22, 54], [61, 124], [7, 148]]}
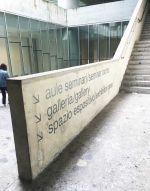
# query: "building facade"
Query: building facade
{"points": [[46, 37]]}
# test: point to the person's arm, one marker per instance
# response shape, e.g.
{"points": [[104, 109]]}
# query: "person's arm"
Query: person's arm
{"points": [[7, 75]]}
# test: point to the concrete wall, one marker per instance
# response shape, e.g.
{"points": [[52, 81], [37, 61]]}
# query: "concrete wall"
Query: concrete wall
{"points": [[42, 10], [36, 9], [49, 109], [102, 13], [54, 107]]}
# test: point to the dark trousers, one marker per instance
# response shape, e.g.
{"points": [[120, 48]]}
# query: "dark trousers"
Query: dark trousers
{"points": [[3, 90]]}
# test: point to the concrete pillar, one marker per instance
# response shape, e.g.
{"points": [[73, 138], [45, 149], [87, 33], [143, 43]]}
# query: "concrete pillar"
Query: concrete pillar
{"points": [[68, 4]]}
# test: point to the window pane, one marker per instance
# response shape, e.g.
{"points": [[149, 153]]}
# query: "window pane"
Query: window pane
{"points": [[2, 25], [124, 26], [53, 49], [54, 63], [83, 35], [115, 37], [14, 44], [93, 43], [3, 51], [46, 62], [103, 42], [36, 44], [45, 37], [45, 46], [65, 47], [15, 58], [73, 46], [12, 27], [59, 47], [26, 44]]}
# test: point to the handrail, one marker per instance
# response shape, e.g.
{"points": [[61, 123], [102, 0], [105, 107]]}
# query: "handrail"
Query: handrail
{"points": [[139, 20], [129, 33]]}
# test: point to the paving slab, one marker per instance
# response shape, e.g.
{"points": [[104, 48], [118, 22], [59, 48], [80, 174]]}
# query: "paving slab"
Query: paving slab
{"points": [[111, 154]]}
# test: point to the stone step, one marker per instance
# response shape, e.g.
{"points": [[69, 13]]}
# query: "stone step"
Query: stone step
{"points": [[141, 49], [142, 90], [139, 67], [145, 33], [143, 42], [137, 77], [138, 62], [147, 23], [140, 45], [137, 53], [147, 18], [136, 83], [143, 37], [140, 57], [145, 30], [137, 72]]}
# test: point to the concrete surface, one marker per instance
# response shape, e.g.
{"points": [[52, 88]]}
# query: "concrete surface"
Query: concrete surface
{"points": [[102, 13], [50, 117], [36, 9], [111, 154], [137, 76]]}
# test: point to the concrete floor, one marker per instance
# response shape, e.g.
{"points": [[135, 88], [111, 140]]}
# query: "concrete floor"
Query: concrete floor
{"points": [[111, 154]]}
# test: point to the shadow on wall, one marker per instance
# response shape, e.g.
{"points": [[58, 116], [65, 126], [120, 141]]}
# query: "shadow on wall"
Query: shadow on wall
{"points": [[58, 171]]}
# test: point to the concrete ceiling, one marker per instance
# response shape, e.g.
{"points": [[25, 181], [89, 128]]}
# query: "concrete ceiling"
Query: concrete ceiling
{"points": [[93, 2]]}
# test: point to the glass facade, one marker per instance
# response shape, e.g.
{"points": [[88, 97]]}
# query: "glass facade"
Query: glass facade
{"points": [[30, 46]]}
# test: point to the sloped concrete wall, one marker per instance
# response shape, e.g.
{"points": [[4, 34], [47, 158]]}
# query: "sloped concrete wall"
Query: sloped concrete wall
{"points": [[36, 9], [50, 109], [102, 13]]}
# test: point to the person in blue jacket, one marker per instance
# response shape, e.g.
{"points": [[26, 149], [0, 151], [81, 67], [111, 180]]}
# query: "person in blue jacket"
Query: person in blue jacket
{"points": [[3, 82]]}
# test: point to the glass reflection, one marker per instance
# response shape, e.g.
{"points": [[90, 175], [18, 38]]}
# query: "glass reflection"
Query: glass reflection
{"points": [[73, 46], [84, 37], [93, 43], [115, 37], [31, 46], [104, 41], [14, 45]]}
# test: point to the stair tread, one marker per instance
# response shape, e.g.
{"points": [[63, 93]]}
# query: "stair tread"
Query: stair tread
{"points": [[138, 81], [137, 69], [139, 61], [137, 76], [137, 87], [140, 75], [139, 65], [140, 41], [141, 52]]}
